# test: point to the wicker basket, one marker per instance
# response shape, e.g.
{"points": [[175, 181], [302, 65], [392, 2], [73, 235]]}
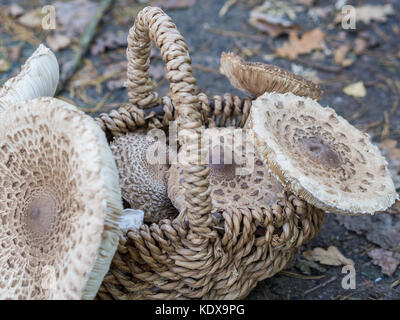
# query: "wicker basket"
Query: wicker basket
{"points": [[196, 260]]}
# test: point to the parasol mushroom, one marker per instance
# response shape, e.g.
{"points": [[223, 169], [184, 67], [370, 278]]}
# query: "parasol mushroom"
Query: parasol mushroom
{"points": [[60, 202], [255, 78], [38, 78], [319, 156], [143, 180], [237, 176]]}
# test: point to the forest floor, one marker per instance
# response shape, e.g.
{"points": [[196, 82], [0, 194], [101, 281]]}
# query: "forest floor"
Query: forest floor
{"points": [[358, 69]]}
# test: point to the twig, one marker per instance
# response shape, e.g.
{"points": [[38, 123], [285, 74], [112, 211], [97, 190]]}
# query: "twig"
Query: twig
{"points": [[320, 285], [98, 106], [300, 276], [226, 7], [386, 126], [85, 41]]}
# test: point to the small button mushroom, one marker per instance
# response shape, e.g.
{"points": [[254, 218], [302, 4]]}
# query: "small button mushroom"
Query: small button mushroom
{"points": [[60, 202], [319, 156], [238, 176], [255, 78], [142, 173], [38, 78]]}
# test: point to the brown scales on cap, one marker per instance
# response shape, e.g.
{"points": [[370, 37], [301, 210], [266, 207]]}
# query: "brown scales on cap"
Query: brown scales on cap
{"points": [[320, 156], [143, 184], [256, 78], [238, 177], [60, 202]]}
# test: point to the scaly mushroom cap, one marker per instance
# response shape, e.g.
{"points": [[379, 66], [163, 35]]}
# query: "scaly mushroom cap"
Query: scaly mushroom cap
{"points": [[38, 78], [255, 78], [60, 202], [238, 177], [319, 156], [143, 180]]}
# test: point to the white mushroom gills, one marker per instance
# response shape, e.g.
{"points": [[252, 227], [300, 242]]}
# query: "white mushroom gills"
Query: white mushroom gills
{"points": [[38, 77]]}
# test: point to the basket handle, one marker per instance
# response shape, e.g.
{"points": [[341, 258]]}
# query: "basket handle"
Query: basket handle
{"points": [[152, 24]]}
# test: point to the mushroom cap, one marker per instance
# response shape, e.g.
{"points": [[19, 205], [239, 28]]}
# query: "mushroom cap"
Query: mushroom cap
{"points": [[255, 78], [38, 78], [238, 178], [319, 156], [143, 183], [60, 202]]}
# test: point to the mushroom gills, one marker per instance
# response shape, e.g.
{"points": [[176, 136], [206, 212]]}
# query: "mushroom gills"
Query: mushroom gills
{"points": [[38, 77], [60, 202]]}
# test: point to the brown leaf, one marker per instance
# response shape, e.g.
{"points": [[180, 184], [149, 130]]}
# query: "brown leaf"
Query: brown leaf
{"points": [[15, 53], [381, 229], [356, 90], [340, 54], [360, 45], [173, 4], [74, 16], [368, 13], [331, 257], [109, 41], [4, 65], [30, 19], [296, 46], [16, 10], [58, 41], [384, 259], [274, 26]]}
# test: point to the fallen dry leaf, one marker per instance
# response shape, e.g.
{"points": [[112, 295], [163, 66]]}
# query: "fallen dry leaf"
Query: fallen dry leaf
{"points": [[369, 13], [385, 259], [16, 10], [381, 229], [339, 56], [14, 53], [74, 16], [330, 257], [274, 26], [109, 40], [31, 19], [356, 90], [173, 4], [296, 46], [360, 45], [58, 41], [4, 65]]}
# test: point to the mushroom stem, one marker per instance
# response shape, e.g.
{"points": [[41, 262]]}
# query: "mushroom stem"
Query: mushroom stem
{"points": [[38, 78]]}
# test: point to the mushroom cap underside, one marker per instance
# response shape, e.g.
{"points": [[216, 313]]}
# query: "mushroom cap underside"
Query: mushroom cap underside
{"points": [[256, 78], [38, 77], [60, 202]]}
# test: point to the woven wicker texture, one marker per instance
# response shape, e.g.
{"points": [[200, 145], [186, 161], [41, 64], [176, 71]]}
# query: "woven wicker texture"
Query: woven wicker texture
{"points": [[198, 259]]}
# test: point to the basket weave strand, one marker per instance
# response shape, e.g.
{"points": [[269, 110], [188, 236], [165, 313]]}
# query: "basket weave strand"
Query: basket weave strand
{"points": [[212, 256]]}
